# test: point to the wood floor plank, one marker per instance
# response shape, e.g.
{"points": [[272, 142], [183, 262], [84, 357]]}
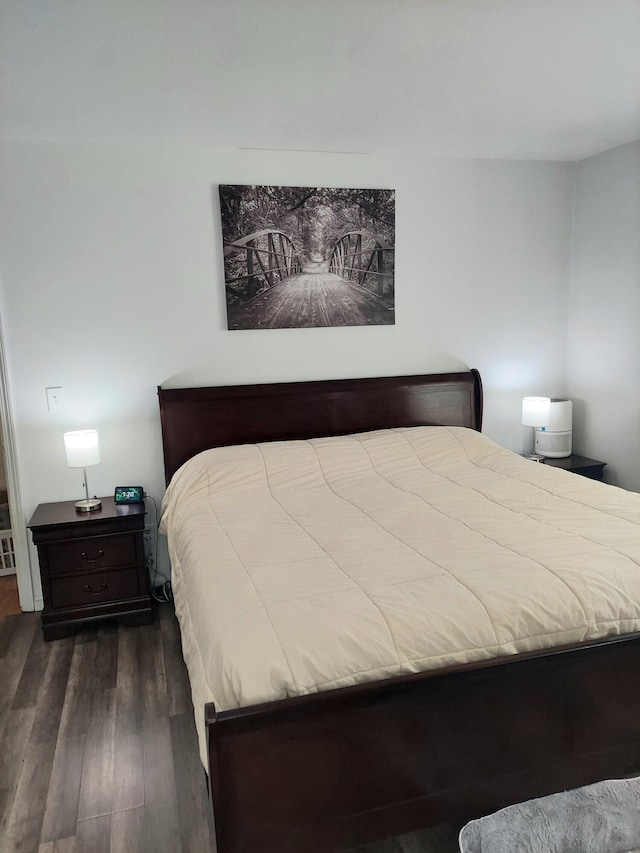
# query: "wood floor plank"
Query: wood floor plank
{"points": [[76, 715], [32, 674], [12, 748], [161, 824], [52, 691], [128, 759], [7, 627], [63, 845], [96, 784], [61, 812], [12, 664], [106, 668], [127, 832], [18, 637], [191, 791], [94, 835], [24, 824], [155, 699]]}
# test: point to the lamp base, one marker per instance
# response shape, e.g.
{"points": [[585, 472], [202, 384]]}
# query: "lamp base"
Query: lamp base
{"points": [[535, 457], [88, 505]]}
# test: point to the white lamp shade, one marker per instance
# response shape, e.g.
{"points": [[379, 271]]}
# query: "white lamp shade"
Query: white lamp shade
{"points": [[82, 448], [536, 411]]}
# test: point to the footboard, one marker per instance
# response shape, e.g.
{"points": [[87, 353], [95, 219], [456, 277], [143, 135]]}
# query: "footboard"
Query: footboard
{"points": [[347, 766]]}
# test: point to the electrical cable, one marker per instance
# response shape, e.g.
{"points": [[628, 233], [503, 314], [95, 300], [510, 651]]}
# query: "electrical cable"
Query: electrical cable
{"points": [[159, 592]]}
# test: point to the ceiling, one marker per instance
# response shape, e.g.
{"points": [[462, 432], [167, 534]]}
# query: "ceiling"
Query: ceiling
{"points": [[524, 79]]}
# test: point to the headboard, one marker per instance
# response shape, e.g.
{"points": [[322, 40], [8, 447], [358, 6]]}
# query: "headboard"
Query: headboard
{"points": [[195, 419]]}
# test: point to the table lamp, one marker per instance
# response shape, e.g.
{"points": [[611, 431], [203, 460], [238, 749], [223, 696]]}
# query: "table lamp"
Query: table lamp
{"points": [[83, 449], [536, 413]]}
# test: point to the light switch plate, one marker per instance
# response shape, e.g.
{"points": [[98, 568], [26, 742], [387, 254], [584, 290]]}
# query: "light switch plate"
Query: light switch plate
{"points": [[54, 398]]}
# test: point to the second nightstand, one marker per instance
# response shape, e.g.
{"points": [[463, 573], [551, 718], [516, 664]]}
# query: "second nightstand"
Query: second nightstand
{"points": [[579, 465], [92, 565]]}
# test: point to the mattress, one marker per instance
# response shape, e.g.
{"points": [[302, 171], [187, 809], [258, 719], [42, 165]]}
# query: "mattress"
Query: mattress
{"points": [[309, 565]]}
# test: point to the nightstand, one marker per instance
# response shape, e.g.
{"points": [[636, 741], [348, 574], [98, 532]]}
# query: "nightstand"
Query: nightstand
{"points": [[91, 564], [579, 465]]}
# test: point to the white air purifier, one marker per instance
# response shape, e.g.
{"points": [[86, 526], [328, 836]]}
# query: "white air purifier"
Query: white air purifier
{"points": [[554, 441]]}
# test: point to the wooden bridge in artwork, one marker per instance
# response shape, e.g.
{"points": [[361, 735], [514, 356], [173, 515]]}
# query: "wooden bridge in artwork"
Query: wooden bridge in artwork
{"points": [[273, 286]]}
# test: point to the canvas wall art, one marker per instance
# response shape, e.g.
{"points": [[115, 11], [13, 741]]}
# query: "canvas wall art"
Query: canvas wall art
{"points": [[297, 257]]}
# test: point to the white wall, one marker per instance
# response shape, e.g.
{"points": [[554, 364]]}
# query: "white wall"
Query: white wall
{"points": [[113, 284], [603, 350]]}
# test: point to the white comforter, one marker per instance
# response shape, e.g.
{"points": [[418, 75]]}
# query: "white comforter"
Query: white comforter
{"points": [[307, 565]]}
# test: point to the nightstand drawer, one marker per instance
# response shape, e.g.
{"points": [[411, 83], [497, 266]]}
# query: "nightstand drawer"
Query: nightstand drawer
{"points": [[98, 552], [94, 587]]}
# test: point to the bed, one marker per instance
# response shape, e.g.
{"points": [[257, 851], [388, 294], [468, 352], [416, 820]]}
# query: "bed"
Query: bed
{"points": [[365, 749]]}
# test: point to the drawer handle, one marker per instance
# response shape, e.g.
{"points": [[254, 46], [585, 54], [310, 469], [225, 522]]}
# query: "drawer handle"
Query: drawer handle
{"points": [[103, 586], [92, 559]]}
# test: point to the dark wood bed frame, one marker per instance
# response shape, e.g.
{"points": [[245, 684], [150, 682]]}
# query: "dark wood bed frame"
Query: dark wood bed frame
{"points": [[339, 768]]}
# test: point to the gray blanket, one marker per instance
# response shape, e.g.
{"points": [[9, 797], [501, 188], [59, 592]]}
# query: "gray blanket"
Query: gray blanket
{"points": [[600, 818]]}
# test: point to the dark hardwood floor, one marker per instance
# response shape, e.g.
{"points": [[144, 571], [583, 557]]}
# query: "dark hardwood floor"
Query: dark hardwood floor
{"points": [[9, 599], [98, 748]]}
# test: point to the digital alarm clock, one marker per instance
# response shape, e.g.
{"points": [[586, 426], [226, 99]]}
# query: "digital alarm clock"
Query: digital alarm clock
{"points": [[128, 495]]}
